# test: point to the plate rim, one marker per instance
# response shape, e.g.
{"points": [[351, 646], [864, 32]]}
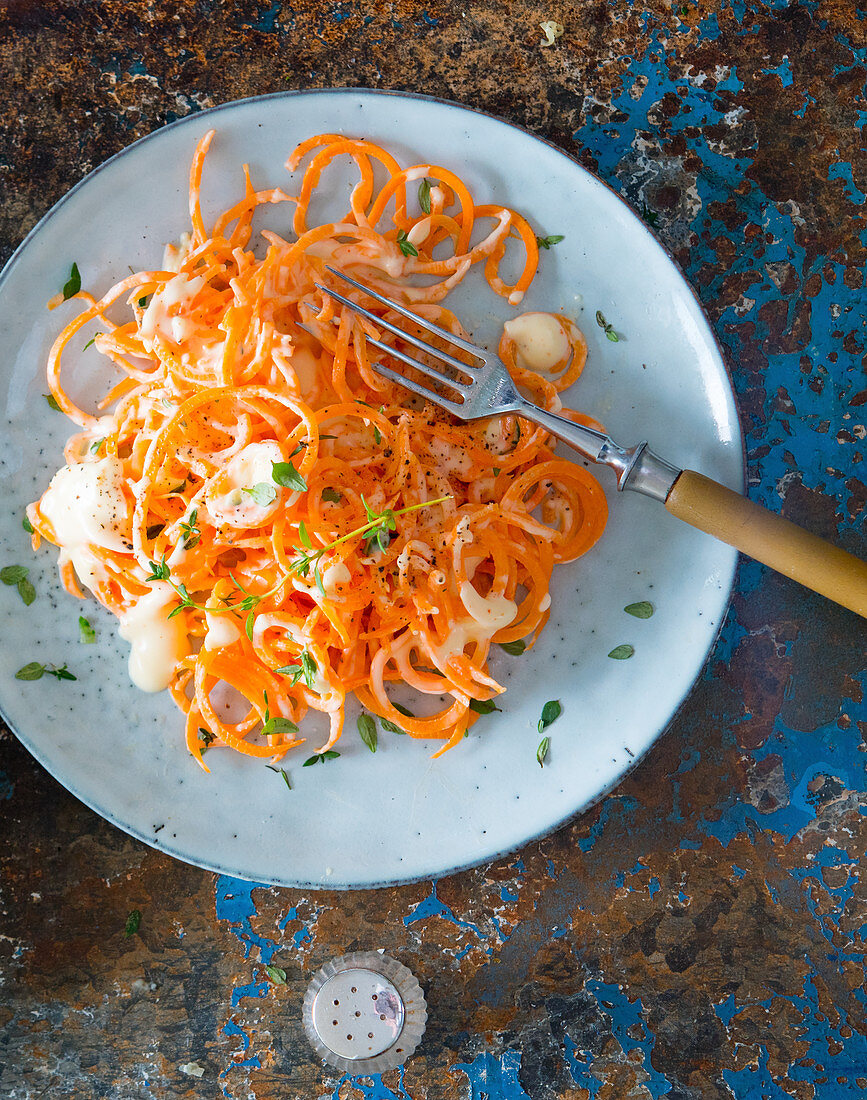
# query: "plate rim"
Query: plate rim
{"points": [[727, 587]]}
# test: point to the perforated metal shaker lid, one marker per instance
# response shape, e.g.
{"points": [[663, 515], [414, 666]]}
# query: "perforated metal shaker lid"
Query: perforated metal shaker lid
{"points": [[364, 1012]]}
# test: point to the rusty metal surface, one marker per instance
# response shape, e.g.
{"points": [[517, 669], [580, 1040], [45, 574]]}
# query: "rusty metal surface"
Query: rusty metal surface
{"points": [[700, 933]]}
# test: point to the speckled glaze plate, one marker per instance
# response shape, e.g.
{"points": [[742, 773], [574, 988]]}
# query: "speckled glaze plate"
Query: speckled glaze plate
{"points": [[365, 820]]}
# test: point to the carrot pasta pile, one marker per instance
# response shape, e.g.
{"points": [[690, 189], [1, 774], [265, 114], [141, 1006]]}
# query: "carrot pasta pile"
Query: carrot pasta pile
{"points": [[262, 510]]}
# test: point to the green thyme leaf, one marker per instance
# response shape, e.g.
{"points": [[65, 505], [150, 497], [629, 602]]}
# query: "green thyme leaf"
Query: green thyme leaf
{"points": [[206, 737], [27, 525], [550, 713], [12, 574], [86, 633], [278, 725], [304, 535], [262, 493], [390, 726], [548, 242], [132, 923], [276, 973], [609, 329], [154, 531], [52, 402], [26, 591], [622, 652], [424, 196], [308, 666], [33, 671], [332, 495], [95, 446], [295, 672], [61, 673], [73, 284], [317, 576], [159, 571], [367, 731], [320, 758], [248, 625], [403, 710], [542, 750], [406, 246], [285, 474], [650, 216], [483, 706], [641, 610], [515, 648]]}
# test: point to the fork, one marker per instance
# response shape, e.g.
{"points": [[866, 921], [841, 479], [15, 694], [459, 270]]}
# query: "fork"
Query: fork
{"points": [[686, 494]]}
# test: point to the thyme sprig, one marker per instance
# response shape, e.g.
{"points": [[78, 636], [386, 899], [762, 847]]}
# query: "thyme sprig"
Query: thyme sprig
{"points": [[376, 532]]}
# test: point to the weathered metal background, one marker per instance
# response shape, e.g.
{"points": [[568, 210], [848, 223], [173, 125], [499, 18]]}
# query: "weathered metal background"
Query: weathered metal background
{"points": [[700, 934]]}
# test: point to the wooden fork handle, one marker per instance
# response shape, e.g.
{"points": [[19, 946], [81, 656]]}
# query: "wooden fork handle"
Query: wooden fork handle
{"points": [[770, 539]]}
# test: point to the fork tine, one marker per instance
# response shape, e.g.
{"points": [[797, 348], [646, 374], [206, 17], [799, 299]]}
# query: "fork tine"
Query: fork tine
{"points": [[459, 341], [422, 391], [443, 379], [455, 364]]}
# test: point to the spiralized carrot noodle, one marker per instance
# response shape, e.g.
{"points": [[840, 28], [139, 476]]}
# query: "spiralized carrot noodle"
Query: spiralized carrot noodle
{"points": [[274, 524]]}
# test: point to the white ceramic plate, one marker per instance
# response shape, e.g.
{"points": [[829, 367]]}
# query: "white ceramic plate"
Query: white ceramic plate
{"points": [[366, 820]]}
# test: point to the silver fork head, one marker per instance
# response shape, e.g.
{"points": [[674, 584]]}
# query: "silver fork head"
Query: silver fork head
{"points": [[489, 389]]}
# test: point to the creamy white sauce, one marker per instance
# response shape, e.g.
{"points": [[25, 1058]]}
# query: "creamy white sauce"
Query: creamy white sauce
{"points": [[491, 612], [225, 499], [541, 342], [335, 577], [158, 643], [85, 506], [222, 631]]}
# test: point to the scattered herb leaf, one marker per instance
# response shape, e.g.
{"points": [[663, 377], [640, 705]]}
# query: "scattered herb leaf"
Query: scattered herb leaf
{"points": [[332, 495], [96, 445], [516, 648], [317, 576], [132, 923], [550, 713], [320, 757], [609, 329], [424, 195], [308, 666], [650, 216], [92, 340], [542, 751], [548, 242], [12, 574], [73, 284], [190, 530], [86, 633], [278, 725], [35, 671], [641, 610], [248, 625], [159, 571], [262, 493], [390, 726], [27, 525], [276, 973], [304, 535], [403, 710], [622, 652], [483, 706], [367, 731], [285, 474], [52, 402], [406, 246], [26, 591]]}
